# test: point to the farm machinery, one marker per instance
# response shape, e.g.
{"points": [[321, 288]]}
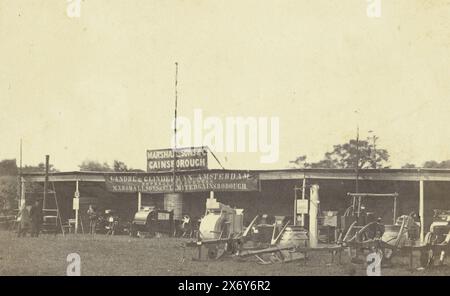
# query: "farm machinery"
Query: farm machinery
{"points": [[440, 227], [269, 243], [361, 230], [437, 240], [150, 221], [276, 240], [293, 242], [220, 230], [268, 240]]}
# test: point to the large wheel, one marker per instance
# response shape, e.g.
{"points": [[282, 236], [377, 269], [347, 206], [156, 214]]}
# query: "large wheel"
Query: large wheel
{"points": [[427, 257], [215, 251], [430, 239]]}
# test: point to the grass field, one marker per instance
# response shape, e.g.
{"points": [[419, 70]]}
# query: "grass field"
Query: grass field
{"points": [[121, 255]]}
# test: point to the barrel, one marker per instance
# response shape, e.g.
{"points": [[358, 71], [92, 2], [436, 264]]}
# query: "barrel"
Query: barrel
{"points": [[174, 202]]}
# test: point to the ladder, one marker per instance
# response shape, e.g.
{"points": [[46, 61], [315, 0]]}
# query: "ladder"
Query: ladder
{"points": [[51, 216]]}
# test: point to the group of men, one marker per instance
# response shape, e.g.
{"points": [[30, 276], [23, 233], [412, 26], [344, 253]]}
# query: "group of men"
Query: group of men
{"points": [[30, 219]]}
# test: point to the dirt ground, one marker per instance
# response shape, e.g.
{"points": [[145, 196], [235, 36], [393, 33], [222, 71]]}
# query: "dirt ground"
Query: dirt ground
{"points": [[122, 255]]}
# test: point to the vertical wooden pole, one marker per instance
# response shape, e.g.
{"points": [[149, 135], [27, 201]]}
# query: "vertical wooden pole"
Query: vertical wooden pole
{"points": [[295, 205], [20, 177], [357, 161], [313, 213], [421, 210], [77, 194], [47, 161], [22, 192], [303, 197], [175, 131], [395, 209], [139, 201]]}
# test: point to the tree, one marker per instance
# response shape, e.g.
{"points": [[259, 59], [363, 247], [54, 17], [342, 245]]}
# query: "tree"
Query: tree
{"points": [[120, 166], [437, 165], [300, 162], [8, 184], [8, 167], [347, 155], [94, 166], [8, 192], [40, 168], [409, 166]]}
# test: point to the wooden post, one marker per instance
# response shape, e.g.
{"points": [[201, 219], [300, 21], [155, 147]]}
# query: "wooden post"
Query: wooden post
{"points": [[421, 210], [395, 209], [139, 201], [303, 197], [20, 178], [77, 195], [22, 193], [313, 213], [295, 205], [47, 160]]}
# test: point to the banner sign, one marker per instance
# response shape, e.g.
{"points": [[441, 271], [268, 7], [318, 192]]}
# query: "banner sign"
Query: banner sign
{"points": [[187, 159], [185, 182]]}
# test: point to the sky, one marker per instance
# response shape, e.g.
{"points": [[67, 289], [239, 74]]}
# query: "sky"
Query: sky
{"points": [[101, 86]]}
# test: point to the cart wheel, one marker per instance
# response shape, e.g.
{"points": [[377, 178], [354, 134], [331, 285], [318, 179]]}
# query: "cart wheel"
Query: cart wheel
{"points": [[427, 257], [430, 239], [215, 251]]}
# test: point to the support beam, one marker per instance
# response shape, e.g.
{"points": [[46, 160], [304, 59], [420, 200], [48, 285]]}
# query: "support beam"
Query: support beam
{"points": [[47, 164], [421, 210], [76, 196], [139, 201], [295, 206], [395, 210], [303, 197], [22, 193], [313, 213]]}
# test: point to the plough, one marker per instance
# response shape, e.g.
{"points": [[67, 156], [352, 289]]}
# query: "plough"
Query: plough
{"points": [[291, 253]]}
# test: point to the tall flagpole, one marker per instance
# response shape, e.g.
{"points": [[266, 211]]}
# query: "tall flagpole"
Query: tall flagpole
{"points": [[175, 128], [357, 160], [20, 176]]}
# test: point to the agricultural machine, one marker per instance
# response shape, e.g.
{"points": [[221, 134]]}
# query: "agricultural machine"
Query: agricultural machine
{"points": [[268, 240], [293, 242], [362, 230], [440, 227], [437, 240], [220, 230], [150, 221], [272, 240]]}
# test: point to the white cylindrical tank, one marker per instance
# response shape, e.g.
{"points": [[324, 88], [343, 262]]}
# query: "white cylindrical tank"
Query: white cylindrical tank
{"points": [[174, 202], [211, 226]]}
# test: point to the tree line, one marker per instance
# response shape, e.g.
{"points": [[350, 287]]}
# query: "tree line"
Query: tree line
{"points": [[361, 154]]}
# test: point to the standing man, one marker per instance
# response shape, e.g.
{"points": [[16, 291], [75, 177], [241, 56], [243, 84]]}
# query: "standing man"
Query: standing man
{"points": [[36, 219], [92, 219], [24, 220]]}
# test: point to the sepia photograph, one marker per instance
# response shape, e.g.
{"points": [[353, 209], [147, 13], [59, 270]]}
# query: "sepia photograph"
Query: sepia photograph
{"points": [[193, 139]]}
